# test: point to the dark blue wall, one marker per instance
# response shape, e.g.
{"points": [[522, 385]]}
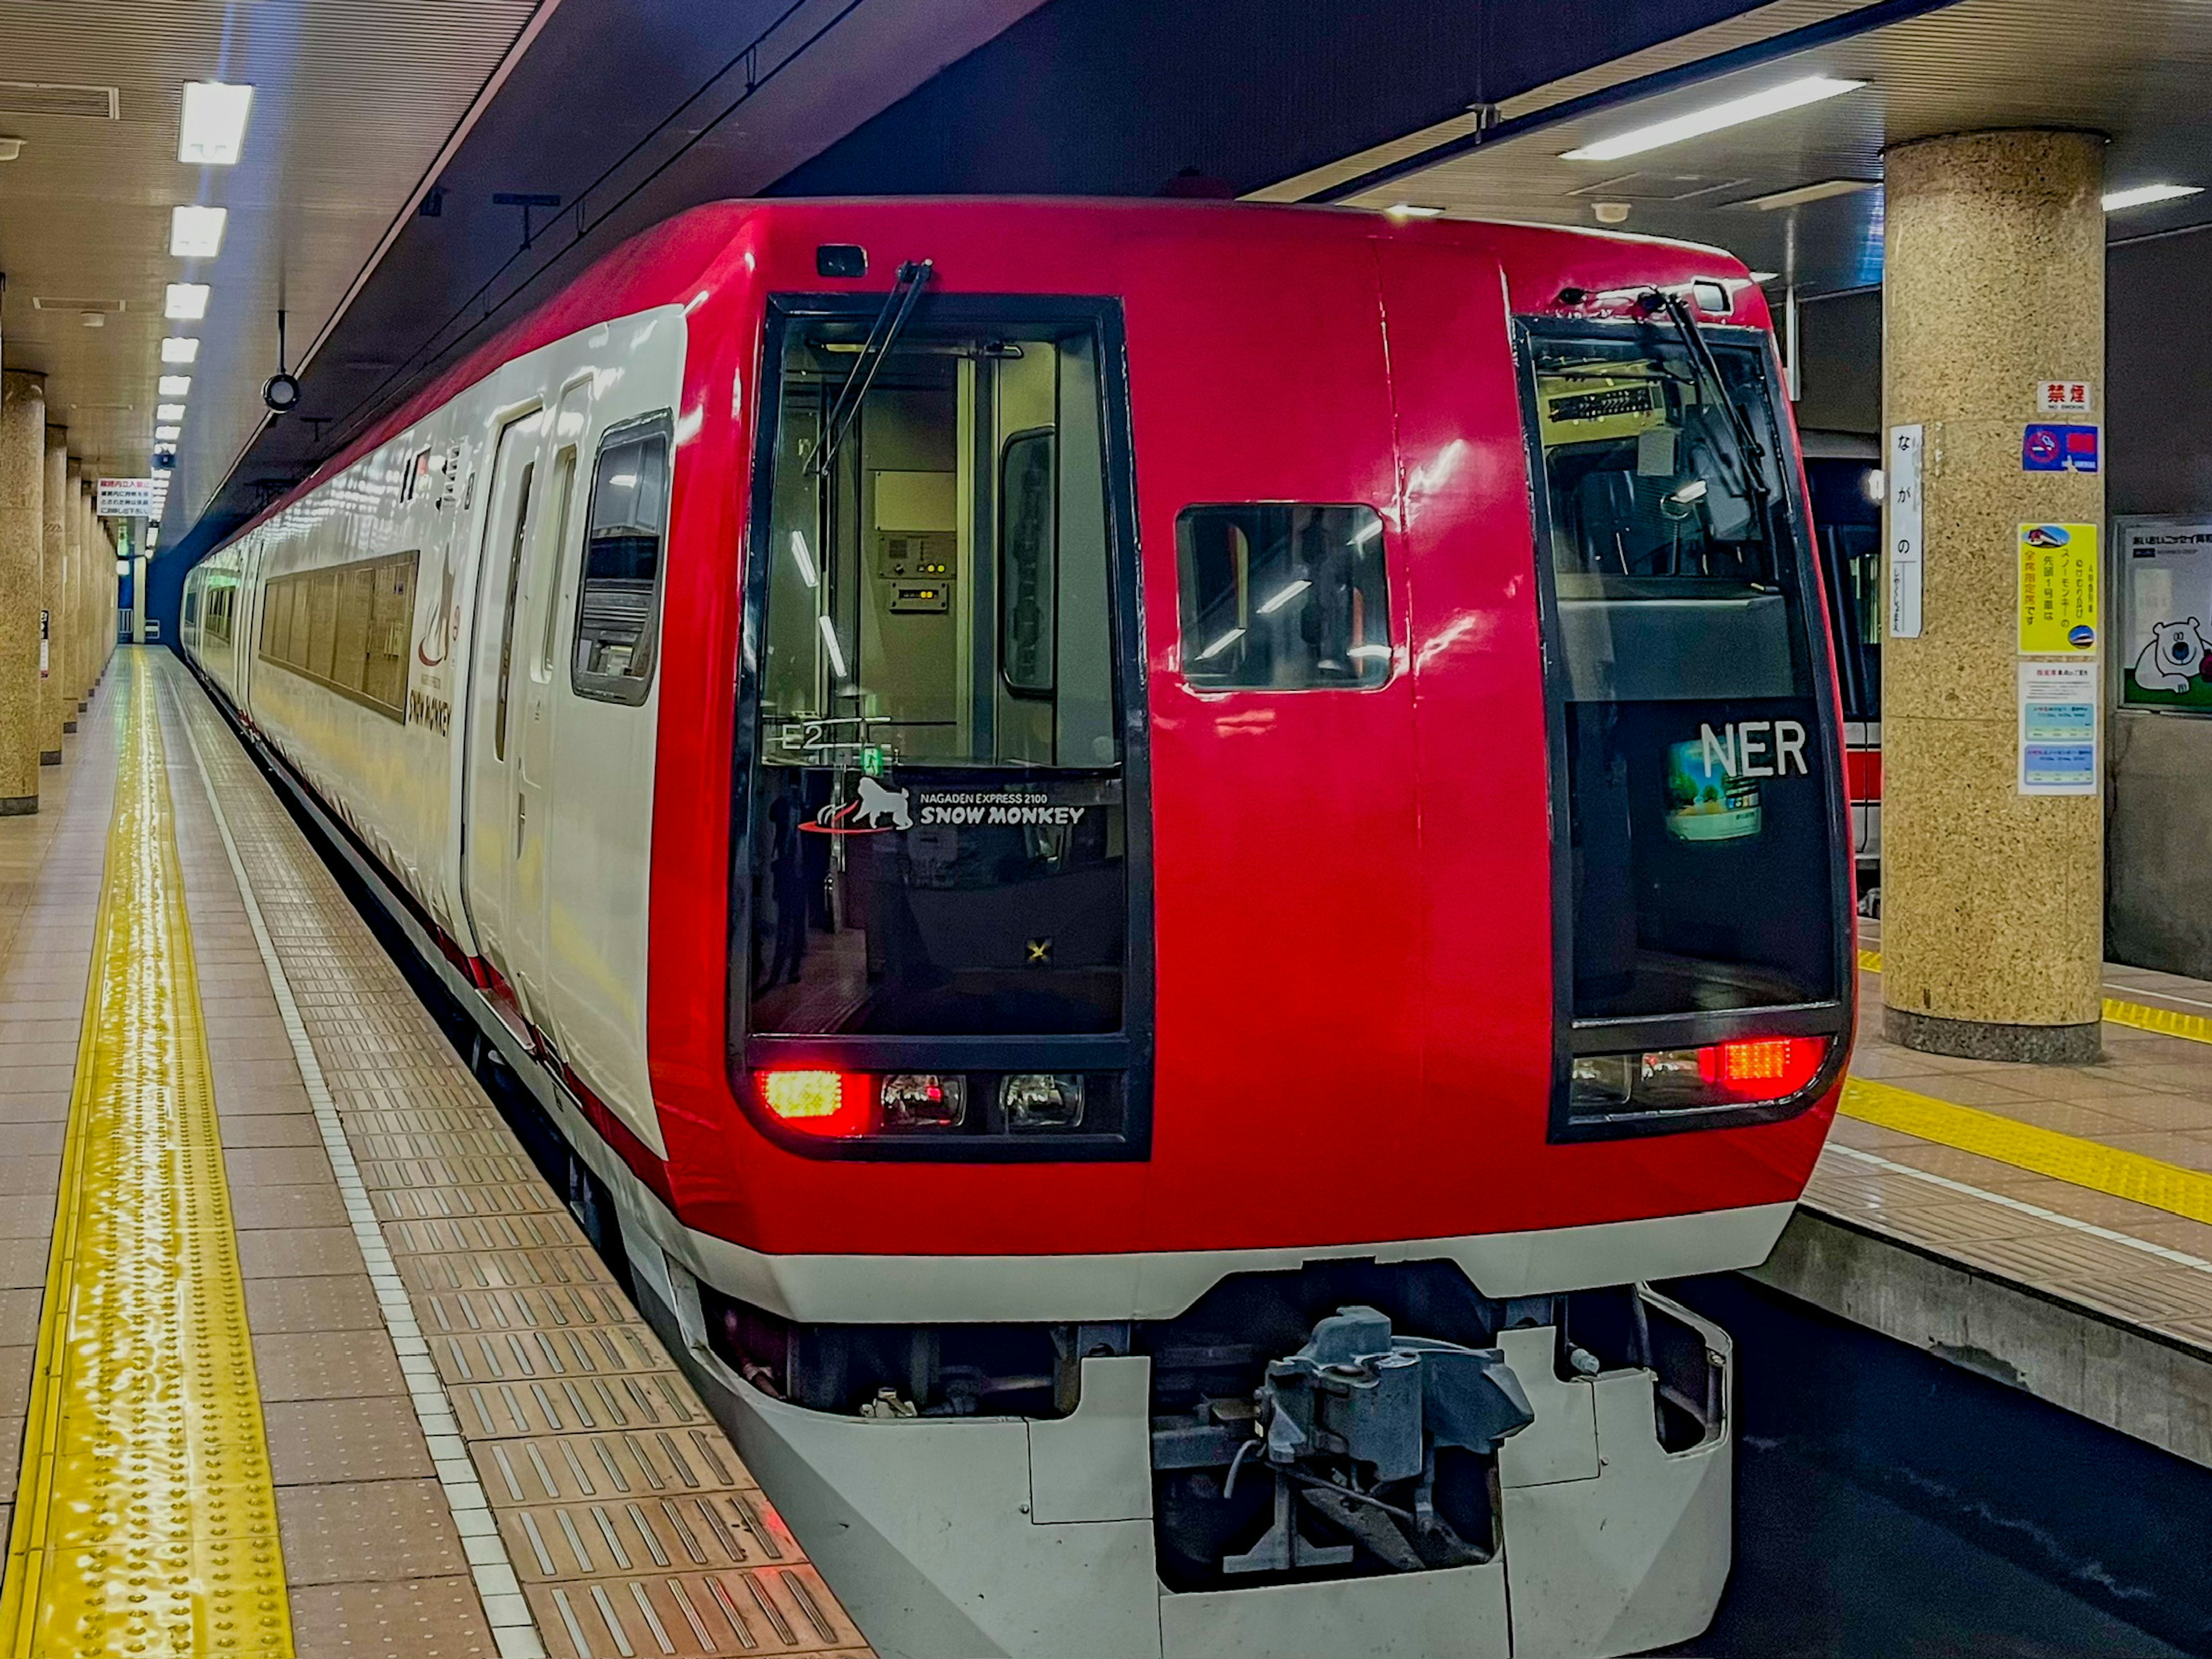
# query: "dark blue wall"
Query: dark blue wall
{"points": [[1113, 96]]}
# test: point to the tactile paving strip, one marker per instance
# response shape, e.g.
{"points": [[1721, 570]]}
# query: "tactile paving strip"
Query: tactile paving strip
{"points": [[145, 1521], [574, 1420]]}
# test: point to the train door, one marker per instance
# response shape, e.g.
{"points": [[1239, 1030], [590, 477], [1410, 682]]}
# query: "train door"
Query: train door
{"points": [[492, 809], [530, 674]]}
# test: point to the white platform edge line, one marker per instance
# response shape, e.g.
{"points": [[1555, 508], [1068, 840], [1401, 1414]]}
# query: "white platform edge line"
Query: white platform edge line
{"points": [[2165, 1253], [505, 1608]]}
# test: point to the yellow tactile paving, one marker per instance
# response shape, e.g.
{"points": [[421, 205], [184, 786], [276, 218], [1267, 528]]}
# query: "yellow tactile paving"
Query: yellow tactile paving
{"points": [[2070, 1159], [145, 1519]]}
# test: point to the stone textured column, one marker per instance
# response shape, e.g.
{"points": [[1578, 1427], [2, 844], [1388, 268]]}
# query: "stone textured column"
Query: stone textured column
{"points": [[1992, 901], [52, 579], [23, 557], [95, 540], [72, 585]]}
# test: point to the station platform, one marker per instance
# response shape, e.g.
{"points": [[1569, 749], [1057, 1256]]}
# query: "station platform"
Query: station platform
{"points": [[300, 1355], [2050, 1227]]}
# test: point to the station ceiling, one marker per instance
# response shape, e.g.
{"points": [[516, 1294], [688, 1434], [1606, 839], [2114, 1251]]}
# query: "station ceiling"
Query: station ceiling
{"points": [[351, 105], [2133, 70], [364, 115]]}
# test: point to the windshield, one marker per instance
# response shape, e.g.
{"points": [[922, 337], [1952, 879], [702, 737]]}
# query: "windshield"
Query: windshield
{"points": [[938, 838], [1699, 753]]}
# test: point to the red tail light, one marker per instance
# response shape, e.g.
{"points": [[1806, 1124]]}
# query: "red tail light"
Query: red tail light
{"points": [[826, 1103], [1763, 1069]]}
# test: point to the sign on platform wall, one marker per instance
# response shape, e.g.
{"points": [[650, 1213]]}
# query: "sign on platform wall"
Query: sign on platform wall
{"points": [[2166, 612], [2065, 398], [2058, 728], [2058, 589], [130, 498], [1906, 443], [2047, 446]]}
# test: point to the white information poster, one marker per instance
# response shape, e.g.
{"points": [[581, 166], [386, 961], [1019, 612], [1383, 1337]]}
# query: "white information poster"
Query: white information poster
{"points": [[2165, 580], [2058, 727], [1906, 446], [130, 498]]}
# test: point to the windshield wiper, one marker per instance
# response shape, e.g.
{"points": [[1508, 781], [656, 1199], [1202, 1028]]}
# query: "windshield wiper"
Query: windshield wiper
{"points": [[883, 334], [1751, 453]]}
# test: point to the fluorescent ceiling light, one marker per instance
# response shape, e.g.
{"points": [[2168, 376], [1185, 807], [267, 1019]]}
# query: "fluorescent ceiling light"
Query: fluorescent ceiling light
{"points": [[1414, 210], [1764, 275], [1790, 94], [196, 233], [2143, 194], [179, 350], [214, 128], [168, 412], [1804, 193], [175, 385], [167, 433], [186, 301]]}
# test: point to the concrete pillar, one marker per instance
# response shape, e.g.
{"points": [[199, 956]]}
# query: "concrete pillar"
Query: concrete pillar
{"points": [[1992, 898], [54, 572], [72, 585], [94, 542], [23, 557]]}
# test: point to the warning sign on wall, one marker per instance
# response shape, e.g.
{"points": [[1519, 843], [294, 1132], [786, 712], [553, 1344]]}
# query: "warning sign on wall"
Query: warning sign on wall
{"points": [[2058, 589]]}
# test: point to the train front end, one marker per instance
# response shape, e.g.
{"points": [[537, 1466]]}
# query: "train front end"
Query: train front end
{"points": [[1289, 858]]}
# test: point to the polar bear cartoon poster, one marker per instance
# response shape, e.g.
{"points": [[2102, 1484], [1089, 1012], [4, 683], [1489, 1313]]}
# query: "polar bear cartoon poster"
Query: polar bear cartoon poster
{"points": [[2166, 596]]}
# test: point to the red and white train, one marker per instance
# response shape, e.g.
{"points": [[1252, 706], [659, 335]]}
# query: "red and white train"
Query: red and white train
{"points": [[1160, 852]]}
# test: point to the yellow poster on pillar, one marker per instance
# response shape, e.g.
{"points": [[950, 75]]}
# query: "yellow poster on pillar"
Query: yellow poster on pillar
{"points": [[2058, 589]]}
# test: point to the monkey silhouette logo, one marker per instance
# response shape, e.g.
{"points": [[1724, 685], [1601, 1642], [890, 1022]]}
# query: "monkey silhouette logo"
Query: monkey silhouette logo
{"points": [[873, 808], [877, 803]]}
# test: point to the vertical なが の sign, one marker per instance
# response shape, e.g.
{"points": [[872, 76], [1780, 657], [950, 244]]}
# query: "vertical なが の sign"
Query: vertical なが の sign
{"points": [[2058, 589]]}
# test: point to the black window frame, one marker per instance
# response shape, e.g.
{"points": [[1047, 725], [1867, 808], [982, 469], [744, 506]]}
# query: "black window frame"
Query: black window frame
{"points": [[1128, 1051], [629, 691], [1382, 555], [1835, 1019]]}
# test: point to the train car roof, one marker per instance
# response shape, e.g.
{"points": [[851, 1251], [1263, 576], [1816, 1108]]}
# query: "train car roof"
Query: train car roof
{"points": [[667, 264]]}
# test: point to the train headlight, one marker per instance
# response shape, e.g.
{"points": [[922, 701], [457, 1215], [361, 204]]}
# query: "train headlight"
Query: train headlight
{"points": [[924, 1100], [1042, 1100], [817, 1102]]}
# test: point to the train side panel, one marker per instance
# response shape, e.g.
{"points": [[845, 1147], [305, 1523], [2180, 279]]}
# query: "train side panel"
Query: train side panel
{"points": [[495, 483]]}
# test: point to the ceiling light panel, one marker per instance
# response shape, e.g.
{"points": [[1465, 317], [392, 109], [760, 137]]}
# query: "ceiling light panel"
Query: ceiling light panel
{"points": [[175, 385], [167, 433], [213, 131], [2144, 195], [196, 233], [1798, 197], [1774, 100], [179, 350], [168, 412], [186, 302]]}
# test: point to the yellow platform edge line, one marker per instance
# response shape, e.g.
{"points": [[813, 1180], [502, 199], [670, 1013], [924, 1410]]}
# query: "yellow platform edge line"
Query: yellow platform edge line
{"points": [[2078, 1163], [145, 1521], [2166, 1021]]}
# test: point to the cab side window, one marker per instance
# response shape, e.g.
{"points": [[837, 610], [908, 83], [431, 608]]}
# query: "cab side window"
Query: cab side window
{"points": [[1281, 597], [618, 599]]}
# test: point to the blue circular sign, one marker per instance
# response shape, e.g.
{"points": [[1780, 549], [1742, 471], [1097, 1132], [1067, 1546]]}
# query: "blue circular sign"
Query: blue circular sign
{"points": [[2082, 636]]}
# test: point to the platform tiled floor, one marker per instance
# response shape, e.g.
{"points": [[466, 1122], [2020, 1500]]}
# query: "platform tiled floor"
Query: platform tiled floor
{"points": [[479, 1447], [2151, 1094]]}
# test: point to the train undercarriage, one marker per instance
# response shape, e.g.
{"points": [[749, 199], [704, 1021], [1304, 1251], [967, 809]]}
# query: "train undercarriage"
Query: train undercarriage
{"points": [[1349, 1456]]}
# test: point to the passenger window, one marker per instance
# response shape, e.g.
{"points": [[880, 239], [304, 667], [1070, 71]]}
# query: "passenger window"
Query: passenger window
{"points": [[1283, 598], [617, 608]]}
